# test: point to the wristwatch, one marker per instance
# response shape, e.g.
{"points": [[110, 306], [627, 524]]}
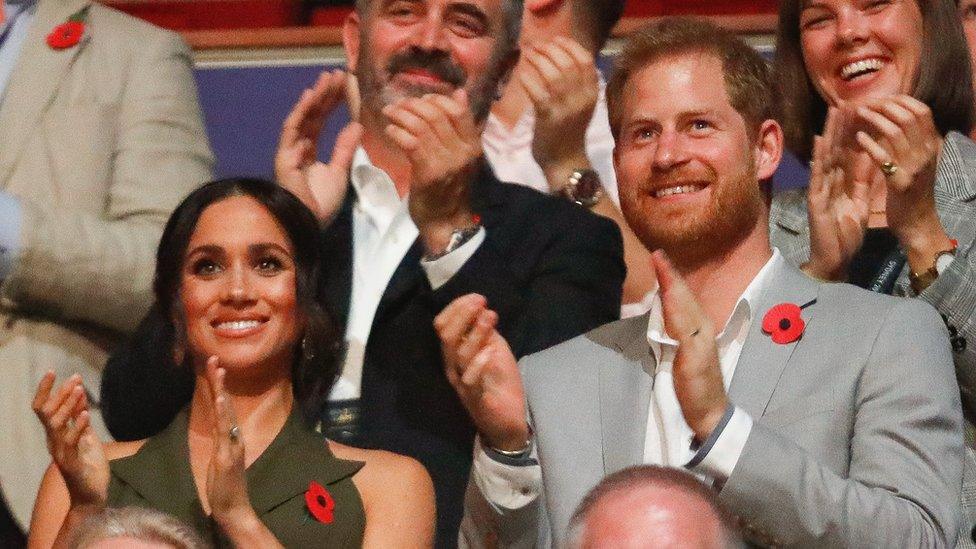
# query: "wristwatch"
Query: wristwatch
{"points": [[921, 281], [584, 188]]}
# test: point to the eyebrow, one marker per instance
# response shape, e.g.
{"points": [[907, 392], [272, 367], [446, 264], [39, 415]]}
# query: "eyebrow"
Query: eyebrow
{"points": [[252, 249], [642, 119]]}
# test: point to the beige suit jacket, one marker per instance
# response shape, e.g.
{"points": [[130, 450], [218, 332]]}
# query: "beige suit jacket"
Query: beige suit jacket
{"points": [[99, 142]]}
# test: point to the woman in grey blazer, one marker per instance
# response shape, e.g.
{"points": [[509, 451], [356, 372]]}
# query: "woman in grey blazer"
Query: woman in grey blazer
{"points": [[877, 97]]}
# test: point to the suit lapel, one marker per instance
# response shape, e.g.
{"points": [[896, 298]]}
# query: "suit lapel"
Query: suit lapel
{"points": [[406, 279], [336, 282], [409, 276], [625, 397], [35, 80], [160, 471], [762, 361], [295, 457]]}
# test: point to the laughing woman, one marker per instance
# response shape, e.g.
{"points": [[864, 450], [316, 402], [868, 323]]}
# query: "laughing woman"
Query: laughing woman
{"points": [[878, 93], [235, 274]]}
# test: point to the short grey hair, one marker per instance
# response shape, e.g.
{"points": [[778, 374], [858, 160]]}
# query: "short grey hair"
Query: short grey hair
{"points": [[139, 523], [640, 476], [511, 10]]}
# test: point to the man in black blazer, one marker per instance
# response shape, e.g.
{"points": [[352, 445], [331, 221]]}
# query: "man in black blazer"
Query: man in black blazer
{"points": [[427, 71]]}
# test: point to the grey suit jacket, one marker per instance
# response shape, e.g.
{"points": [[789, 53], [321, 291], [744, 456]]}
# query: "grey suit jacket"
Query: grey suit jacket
{"points": [[857, 440], [953, 294], [99, 142]]}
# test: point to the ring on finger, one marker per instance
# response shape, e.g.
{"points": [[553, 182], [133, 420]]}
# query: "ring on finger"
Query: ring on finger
{"points": [[889, 168], [234, 433]]}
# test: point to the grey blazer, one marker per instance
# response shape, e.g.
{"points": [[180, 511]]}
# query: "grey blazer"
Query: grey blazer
{"points": [[953, 294], [857, 440]]}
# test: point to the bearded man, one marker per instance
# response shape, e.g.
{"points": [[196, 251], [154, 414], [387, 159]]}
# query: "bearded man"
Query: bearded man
{"points": [[413, 218], [825, 415]]}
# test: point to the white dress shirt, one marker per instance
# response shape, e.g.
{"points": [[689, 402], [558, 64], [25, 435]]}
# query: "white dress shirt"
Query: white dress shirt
{"points": [[509, 151], [382, 234], [668, 439]]}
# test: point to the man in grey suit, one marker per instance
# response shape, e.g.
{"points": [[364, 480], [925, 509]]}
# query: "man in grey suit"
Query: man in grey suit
{"points": [[100, 138], [824, 414]]}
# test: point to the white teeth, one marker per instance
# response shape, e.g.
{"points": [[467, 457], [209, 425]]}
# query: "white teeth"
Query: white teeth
{"points": [[677, 190], [858, 68], [239, 325]]}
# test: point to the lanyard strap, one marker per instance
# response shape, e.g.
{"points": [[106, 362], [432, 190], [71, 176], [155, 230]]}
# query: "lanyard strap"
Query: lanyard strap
{"points": [[884, 282]]}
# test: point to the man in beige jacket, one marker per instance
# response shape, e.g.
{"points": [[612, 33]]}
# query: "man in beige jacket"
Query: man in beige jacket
{"points": [[100, 138]]}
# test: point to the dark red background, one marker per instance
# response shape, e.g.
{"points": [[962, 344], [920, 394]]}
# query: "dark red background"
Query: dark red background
{"points": [[237, 14]]}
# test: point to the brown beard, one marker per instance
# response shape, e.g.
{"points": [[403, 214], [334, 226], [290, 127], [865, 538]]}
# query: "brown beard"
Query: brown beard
{"points": [[734, 209]]}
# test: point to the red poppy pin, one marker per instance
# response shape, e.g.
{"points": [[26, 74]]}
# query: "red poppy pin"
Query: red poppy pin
{"points": [[319, 502], [784, 323], [69, 33]]}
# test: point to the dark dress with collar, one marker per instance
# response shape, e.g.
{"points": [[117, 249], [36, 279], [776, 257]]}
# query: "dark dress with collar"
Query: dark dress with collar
{"points": [[158, 476]]}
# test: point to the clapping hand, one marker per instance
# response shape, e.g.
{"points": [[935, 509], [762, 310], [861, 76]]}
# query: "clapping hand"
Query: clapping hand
{"points": [[482, 369], [322, 187], [73, 444], [838, 204], [226, 485], [904, 143], [561, 80], [439, 137], [696, 370]]}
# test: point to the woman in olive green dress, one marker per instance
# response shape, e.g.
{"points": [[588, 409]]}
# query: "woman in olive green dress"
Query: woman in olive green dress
{"points": [[235, 273]]}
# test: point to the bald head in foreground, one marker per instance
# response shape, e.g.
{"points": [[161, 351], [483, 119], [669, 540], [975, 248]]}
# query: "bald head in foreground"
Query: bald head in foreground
{"points": [[651, 506]]}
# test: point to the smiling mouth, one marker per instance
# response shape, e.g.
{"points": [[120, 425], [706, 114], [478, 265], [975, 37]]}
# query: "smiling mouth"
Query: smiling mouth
{"points": [[860, 68], [238, 326], [677, 190]]}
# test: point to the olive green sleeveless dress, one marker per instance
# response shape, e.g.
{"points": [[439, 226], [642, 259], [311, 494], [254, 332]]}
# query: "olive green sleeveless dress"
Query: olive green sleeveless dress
{"points": [[158, 476]]}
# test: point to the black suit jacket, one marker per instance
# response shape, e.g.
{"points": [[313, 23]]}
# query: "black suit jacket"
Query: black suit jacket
{"points": [[551, 269]]}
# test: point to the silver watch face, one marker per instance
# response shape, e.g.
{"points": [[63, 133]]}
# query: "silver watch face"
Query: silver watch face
{"points": [[588, 184], [943, 261], [587, 188]]}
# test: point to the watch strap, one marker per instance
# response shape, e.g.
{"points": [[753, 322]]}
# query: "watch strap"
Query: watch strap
{"points": [[459, 237], [921, 281]]}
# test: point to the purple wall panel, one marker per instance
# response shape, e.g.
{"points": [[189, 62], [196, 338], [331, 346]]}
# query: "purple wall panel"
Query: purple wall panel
{"points": [[244, 107]]}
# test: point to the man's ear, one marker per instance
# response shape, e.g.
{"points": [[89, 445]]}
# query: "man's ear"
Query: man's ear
{"points": [[350, 40], [769, 149]]}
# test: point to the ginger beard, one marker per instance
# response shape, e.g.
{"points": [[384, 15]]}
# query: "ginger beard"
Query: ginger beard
{"points": [[689, 233]]}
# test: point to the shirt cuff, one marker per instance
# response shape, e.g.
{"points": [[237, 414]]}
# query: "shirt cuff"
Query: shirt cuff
{"points": [[505, 485], [440, 270], [10, 221], [720, 452]]}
